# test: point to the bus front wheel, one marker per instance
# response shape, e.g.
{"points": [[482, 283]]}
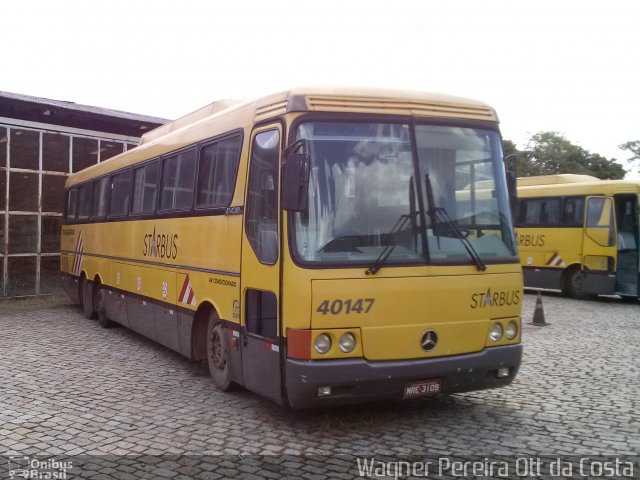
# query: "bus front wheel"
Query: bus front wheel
{"points": [[217, 354], [575, 284]]}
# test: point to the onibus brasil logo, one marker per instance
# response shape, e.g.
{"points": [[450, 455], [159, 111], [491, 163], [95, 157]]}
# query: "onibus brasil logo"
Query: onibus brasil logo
{"points": [[38, 468]]}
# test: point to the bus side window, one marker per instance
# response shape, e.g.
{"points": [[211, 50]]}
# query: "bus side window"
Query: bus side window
{"points": [[145, 183], [84, 202], [72, 204], [529, 212], [572, 215], [100, 195], [217, 172], [120, 188], [550, 212], [178, 173], [261, 220], [540, 212]]}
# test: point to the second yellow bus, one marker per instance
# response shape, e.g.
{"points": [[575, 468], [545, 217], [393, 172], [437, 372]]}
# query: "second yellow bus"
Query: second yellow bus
{"points": [[579, 234]]}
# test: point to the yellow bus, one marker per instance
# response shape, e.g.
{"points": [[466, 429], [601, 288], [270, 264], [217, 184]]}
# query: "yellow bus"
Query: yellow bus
{"points": [[579, 234], [309, 245]]}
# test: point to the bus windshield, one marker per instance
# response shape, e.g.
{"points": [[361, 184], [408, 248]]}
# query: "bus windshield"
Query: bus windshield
{"points": [[364, 189]]}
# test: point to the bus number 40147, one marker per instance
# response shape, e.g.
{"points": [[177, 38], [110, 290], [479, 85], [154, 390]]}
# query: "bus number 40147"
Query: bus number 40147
{"points": [[336, 307]]}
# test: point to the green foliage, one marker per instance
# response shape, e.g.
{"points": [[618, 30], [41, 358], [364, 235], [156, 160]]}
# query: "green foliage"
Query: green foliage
{"points": [[524, 168], [633, 148], [549, 153]]}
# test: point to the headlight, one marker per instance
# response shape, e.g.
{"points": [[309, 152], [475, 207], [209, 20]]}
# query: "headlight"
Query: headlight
{"points": [[495, 333], [347, 342], [322, 343], [511, 331]]}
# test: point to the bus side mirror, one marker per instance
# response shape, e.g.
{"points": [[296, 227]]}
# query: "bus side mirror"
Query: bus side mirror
{"points": [[295, 182]]}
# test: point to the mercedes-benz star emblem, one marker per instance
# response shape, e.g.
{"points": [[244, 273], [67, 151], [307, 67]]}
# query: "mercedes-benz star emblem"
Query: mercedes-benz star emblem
{"points": [[429, 340]]}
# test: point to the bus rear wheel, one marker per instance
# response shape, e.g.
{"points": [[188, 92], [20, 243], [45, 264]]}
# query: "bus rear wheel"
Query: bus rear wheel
{"points": [[217, 354], [86, 298], [98, 304]]}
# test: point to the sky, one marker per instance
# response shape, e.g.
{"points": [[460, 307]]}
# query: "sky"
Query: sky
{"points": [[544, 65]]}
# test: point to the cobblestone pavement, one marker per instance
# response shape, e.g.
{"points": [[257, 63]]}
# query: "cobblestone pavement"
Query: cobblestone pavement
{"points": [[68, 388]]}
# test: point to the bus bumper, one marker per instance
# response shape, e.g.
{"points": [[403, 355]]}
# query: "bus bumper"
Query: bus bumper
{"points": [[359, 380]]}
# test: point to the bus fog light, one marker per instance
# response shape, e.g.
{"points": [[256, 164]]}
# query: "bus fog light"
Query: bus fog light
{"points": [[503, 372], [324, 391], [347, 342], [511, 331], [495, 333], [322, 343]]}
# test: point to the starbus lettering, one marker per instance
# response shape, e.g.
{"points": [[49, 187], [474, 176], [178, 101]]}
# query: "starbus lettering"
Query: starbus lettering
{"points": [[531, 240], [160, 245], [494, 299]]}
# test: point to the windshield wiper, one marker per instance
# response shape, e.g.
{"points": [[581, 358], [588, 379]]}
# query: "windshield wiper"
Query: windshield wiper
{"points": [[400, 226], [439, 216]]}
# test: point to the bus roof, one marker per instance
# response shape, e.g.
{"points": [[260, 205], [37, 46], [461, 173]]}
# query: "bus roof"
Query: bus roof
{"points": [[226, 115], [570, 184], [555, 179]]}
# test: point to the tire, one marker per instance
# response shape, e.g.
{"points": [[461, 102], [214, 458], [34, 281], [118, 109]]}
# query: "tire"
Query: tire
{"points": [[217, 355], [86, 299], [98, 303], [575, 285]]}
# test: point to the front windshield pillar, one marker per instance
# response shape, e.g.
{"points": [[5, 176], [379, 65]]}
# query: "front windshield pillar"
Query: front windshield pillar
{"points": [[419, 187]]}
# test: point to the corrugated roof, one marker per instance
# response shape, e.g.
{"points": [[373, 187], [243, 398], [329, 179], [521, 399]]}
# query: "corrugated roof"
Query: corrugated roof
{"points": [[76, 107]]}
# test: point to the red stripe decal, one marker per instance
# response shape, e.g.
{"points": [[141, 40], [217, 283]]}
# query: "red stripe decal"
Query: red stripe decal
{"points": [[184, 289]]}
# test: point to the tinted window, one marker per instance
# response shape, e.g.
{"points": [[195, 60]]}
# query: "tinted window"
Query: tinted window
{"points": [[72, 204], [177, 181], [261, 220], [145, 180], [217, 172], [84, 202], [573, 212], [100, 194], [120, 188], [262, 313], [540, 211]]}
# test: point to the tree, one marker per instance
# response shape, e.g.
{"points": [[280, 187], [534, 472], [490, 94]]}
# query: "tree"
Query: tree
{"points": [[524, 168], [634, 148], [549, 153]]}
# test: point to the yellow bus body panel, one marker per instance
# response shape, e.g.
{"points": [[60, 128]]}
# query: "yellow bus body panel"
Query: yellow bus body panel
{"points": [[403, 308], [554, 247], [206, 249]]}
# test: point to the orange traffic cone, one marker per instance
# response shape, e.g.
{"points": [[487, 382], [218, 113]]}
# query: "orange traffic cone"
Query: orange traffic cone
{"points": [[538, 313]]}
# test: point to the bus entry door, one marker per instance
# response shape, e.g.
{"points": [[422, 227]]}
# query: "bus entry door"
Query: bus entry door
{"points": [[599, 242], [627, 264], [260, 273]]}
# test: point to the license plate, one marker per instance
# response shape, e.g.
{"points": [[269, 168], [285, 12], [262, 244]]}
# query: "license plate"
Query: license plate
{"points": [[423, 388]]}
